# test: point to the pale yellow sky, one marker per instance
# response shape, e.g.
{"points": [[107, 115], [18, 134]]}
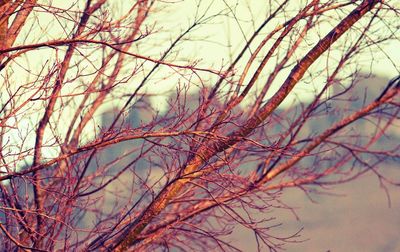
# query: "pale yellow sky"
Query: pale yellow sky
{"points": [[226, 31], [210, 45], [211, 48]]}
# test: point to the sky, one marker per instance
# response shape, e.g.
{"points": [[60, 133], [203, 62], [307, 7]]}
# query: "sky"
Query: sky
{"points": [[227, 31], [217, 41]]}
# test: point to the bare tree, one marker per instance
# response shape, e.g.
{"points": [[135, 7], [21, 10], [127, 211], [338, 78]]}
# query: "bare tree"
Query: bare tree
{"points": [[88, 162]]}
